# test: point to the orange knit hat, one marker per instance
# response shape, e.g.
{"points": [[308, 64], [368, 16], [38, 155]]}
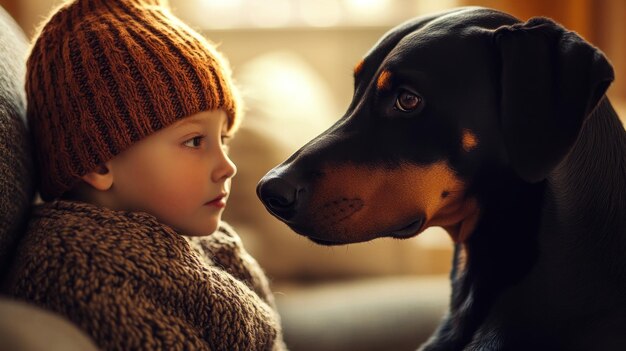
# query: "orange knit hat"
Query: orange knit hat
{"points": [[104, 74]]}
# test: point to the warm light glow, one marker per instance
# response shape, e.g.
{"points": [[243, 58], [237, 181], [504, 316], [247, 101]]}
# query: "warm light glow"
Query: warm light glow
{"points": [[270, 13], [367, 5], [218, 13], [220, 3], [321, 13], [297, 13], [372, 11], [282, 89], [429, 6]]}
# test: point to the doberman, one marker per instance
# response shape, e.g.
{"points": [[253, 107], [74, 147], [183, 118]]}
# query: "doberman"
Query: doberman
{"points": [[500, 132]]}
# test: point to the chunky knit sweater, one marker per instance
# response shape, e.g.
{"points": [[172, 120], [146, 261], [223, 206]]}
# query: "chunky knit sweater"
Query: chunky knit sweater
{"points": [[135, 284]]}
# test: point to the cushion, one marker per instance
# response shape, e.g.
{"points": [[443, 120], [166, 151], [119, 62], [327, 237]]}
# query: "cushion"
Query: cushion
{"points": [[16, 167]]}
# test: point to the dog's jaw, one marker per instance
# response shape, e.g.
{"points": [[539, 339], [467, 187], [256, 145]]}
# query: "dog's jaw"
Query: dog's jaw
{"points": [[461, 223], [405, 200]]}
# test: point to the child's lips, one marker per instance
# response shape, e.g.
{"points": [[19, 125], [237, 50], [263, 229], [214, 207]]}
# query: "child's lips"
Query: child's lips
{"points": [[219, 202]]}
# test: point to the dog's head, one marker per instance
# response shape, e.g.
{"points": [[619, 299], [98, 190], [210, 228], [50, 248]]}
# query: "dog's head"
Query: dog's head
{"points": [[437, 101]]}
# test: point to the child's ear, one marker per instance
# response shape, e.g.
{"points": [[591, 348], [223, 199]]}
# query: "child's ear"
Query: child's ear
{"points": [[101, 178]]}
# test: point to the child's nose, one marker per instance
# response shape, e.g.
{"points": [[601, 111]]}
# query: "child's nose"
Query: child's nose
{"points": [[225, 169]]}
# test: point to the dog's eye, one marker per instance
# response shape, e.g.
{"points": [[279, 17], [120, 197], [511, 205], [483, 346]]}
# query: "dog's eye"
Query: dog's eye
{"points": [[407, 101]]}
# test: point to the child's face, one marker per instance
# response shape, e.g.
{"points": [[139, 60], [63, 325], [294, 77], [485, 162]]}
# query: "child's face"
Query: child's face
{"points": [[180, 174]]}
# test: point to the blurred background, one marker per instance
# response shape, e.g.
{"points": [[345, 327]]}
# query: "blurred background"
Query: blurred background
{"points": [[293, 59]]}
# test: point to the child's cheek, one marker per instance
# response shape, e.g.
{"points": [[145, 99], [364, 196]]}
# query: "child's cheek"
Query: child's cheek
{"points": [[184, 184]]}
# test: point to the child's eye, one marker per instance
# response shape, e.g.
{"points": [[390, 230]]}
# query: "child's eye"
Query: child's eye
{"points": [[194, 142]]}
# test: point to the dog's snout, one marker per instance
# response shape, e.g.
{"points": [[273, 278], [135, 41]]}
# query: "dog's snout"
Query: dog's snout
{"points": [[279, 196]]}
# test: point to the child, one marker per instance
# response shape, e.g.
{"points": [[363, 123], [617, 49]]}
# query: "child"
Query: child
{"points": [[129, 111]]}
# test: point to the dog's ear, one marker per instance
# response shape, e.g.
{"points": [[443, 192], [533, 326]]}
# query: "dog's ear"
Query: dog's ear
{"points": [[551, 80]]}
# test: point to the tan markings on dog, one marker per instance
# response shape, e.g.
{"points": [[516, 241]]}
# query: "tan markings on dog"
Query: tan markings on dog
{"points": [[469, 140], [459, 218], [359, 67], [384, 80], [353, 203]]}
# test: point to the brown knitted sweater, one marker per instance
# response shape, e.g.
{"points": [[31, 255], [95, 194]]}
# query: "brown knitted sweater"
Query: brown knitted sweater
{"points": [[135, 284]]}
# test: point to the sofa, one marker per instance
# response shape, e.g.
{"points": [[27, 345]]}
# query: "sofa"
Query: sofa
{"points": [[22, 327]]}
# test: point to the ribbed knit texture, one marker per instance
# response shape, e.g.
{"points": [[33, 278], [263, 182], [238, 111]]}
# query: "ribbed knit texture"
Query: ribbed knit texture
{"points": [[134, 284], [104, 74]]}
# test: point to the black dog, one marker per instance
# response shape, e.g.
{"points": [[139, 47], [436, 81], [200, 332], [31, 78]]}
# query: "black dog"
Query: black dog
{"points": [[500, 132]]}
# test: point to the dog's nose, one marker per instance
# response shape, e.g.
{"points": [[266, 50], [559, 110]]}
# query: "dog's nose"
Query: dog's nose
{"points": [[279, 196]]}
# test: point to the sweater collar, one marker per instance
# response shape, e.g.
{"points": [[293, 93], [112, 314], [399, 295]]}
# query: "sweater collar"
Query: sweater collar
{"points": [[98, 213]]}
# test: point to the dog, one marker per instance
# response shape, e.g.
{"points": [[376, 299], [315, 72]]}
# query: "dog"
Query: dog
{"points": [[500, 132]]}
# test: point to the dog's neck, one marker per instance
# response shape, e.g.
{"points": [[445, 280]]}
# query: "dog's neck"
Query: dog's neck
{"points": [[580, 206], [583, 208]]}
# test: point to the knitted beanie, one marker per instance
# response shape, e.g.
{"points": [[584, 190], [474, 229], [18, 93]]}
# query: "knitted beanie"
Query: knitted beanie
{"points": [[103, 74]]}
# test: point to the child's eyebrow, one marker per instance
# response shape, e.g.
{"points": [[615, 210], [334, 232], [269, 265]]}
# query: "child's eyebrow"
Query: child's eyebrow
{"points": [[197, 121], [188, 121]]}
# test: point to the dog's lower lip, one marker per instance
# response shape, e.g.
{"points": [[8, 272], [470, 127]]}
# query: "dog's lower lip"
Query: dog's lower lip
{"points": [[324, 242], [409, 230], [314, 239]]}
